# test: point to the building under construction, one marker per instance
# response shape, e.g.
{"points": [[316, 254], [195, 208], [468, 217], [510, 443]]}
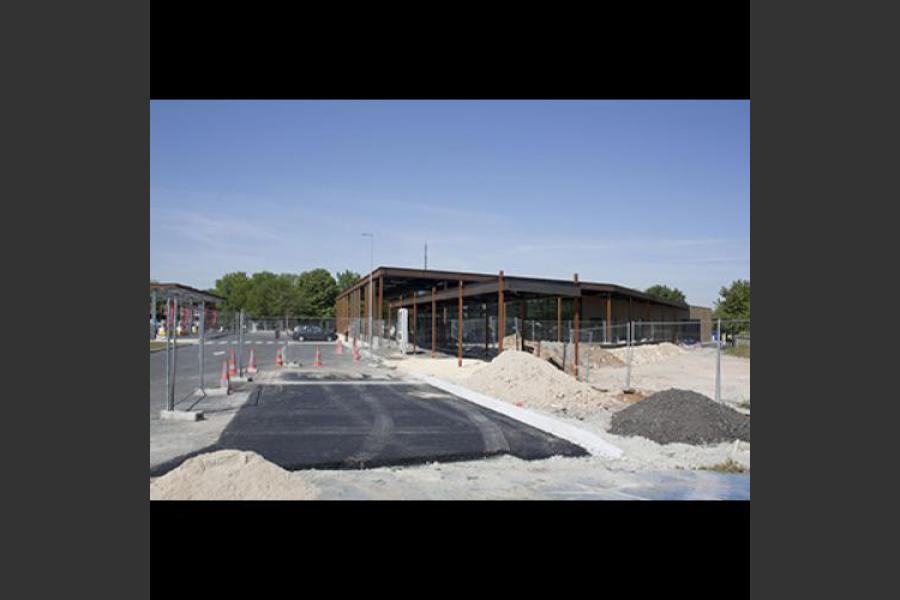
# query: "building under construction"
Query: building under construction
{"points": [[495, 306]]}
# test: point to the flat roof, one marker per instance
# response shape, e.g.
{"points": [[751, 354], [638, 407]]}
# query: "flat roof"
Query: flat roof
{"points": [[184, 292], [424, 279]]}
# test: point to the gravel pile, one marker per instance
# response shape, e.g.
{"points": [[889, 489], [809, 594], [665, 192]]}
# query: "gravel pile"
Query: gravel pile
{"points": [[681, 416]]}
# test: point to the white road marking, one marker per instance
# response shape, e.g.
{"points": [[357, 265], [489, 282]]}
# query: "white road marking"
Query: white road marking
{"points": [[270, 343], [219, 353]]}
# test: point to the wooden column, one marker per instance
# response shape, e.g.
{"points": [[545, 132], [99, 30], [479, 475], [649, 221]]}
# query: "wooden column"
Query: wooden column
{"points": [[608, 317], [381, 301], [433, 321], [559, 319], [388, 330], [487, 328], [459, 328], [577, 333], [523, 312], [501, 314], [366, 292]]}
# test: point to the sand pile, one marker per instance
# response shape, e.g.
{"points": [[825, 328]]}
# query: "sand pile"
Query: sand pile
{"points": [[681, 416], [649, 353], [519, 377], [231, 475], [553, 352]]}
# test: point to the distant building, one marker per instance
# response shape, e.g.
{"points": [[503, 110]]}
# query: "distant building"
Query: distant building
{"points": [[704, 316], [483, 296]]}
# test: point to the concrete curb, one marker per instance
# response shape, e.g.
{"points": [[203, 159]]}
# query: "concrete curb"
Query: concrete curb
{"points": [[181, 415], [587, 440]]}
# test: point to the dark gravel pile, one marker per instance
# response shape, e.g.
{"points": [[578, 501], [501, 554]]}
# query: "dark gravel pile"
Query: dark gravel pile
{"points": [[681, 416]]}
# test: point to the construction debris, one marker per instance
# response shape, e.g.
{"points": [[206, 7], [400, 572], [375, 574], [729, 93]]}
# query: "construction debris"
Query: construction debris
{"points": [[683, 416]]}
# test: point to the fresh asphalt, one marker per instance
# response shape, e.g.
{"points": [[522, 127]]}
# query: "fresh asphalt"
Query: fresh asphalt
{"points": [[345, 414]]}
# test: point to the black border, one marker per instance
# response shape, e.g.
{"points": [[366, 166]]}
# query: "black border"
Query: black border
{"points": [[697, 50]]}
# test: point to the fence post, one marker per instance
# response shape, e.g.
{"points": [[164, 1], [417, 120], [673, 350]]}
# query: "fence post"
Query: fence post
{"points": [[174, 336], [153, 315], [459, 329], [587, 366], [202, 335], [241, 343], [629, 354], [718, 360], [168, 352]]}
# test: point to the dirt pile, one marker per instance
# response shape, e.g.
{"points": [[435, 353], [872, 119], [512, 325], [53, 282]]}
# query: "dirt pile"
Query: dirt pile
{"points": [[649, 353], [520, 378], [681, 416], [231, 475], [553, 352]]}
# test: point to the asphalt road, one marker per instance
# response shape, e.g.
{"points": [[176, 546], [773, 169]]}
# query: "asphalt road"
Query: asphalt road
{"points": [[187, 364], [346, 414]]}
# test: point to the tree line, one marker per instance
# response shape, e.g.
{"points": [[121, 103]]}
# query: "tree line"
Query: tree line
{"points": [[265, 294], [733, 302], [312, 293]]}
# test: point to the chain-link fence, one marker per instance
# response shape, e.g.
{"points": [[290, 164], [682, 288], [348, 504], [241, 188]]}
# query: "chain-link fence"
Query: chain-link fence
{"points": [[644, 356]]}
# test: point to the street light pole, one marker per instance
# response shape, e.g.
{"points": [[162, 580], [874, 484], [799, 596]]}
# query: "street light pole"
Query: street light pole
{"points": [[371, 236]]}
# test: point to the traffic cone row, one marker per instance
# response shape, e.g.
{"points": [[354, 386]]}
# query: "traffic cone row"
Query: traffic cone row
{"points": [[318, 362], [251, 368]]}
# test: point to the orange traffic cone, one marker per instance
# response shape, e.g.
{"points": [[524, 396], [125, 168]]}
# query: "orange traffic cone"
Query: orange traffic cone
{"points": [[318, 362], [279, 360], [232, 366], [339, 348], [251, 368], [225, 381]]}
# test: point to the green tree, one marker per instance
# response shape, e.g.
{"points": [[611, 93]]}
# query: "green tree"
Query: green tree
{"points": [[318, 290], [233, 287], [664, 292], [346, 279], [734, 301]]}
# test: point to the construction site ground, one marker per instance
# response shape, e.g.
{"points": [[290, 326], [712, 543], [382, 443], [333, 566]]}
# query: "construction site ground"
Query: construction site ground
{"points": [[416, 441]]}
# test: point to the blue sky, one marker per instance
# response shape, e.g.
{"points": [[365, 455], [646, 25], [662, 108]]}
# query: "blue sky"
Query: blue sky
{"points": [[633, 193]]}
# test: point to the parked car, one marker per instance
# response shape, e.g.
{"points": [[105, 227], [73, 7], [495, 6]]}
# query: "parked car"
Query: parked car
{"points": [[313, 333]]}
